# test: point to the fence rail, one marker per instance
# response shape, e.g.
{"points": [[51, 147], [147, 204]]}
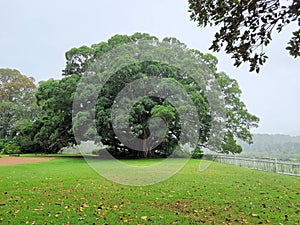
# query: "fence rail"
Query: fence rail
{"points": [[269, 165]]}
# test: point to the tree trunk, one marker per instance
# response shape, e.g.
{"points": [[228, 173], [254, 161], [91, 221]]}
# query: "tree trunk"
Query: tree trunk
{"points": [[145, 149]]}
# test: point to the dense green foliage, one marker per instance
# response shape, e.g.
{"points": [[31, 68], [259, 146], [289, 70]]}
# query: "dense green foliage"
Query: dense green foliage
{"points": [[147, 108], [68, 190], [9, 147], [245, 25], [55, 128], [239, 120]]}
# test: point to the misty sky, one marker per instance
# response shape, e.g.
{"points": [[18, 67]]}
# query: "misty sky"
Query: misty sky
{"points": [[34, 35]]}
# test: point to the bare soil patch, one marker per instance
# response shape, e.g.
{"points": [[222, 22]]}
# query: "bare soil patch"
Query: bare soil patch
{"points": [[5, 161]]}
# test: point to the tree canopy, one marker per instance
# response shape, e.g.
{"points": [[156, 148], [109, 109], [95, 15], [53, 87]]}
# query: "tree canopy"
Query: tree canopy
{"points": [[246, 27], [239, 120]]}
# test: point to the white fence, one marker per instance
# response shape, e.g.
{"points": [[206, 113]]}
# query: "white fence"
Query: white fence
{"points": [[269, 165]]}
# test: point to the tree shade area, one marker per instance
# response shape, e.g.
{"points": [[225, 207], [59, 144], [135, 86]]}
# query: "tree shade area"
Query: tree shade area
{"points": [[57, 125], [246, 27]]}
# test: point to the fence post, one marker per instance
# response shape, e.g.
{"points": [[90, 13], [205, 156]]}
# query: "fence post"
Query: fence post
{"points": [[276, 166]]}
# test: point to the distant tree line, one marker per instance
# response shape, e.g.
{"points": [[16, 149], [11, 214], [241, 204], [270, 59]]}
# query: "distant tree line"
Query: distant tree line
{"points": [[273, 146]]}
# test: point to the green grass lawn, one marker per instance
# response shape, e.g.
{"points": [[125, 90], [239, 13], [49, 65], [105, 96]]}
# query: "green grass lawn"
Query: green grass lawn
{"points": [[68, 191]]}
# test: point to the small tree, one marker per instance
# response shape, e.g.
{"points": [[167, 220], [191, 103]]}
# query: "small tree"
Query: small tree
{"points": [[53, 130]]}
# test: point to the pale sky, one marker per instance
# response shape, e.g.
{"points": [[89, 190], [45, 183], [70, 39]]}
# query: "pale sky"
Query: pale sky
{"points": [[34, 35]]}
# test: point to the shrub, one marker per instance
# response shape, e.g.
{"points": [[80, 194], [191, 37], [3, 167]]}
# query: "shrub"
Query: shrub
{"points": [[197, 154], [11, 149], [96, 151]]}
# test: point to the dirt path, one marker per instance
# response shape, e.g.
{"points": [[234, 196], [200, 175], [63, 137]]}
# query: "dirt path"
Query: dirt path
{"points": [[5, 161]]}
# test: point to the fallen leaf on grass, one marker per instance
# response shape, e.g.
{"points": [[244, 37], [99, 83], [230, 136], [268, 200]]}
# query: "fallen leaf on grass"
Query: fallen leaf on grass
{"points": [[84, 205], [16, 212], [143, 217]]}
